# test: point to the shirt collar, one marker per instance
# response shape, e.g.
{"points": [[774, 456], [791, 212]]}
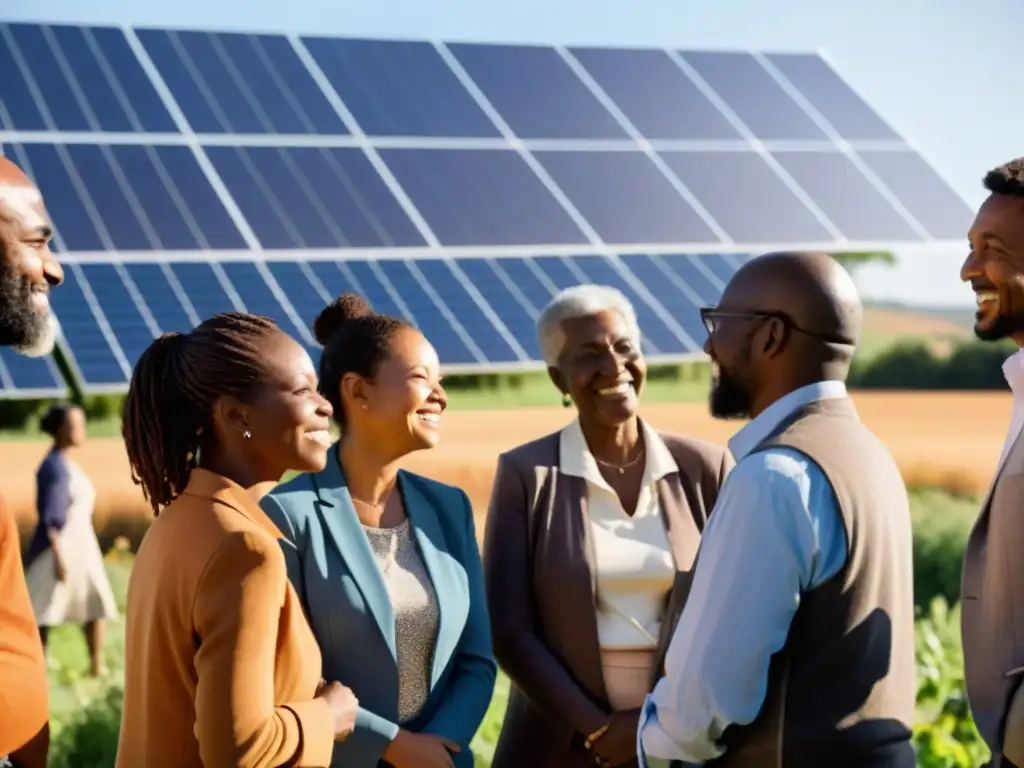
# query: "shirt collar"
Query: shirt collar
{"points": [[758, 429], [576, 459], [1013, 370]]}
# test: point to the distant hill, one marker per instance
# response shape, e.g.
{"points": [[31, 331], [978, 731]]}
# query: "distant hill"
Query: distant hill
{"points": [[962, 317], [888, 323]]}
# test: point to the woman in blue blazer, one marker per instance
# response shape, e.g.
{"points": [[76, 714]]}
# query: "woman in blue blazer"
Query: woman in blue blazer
{"points": [[386, 561]]}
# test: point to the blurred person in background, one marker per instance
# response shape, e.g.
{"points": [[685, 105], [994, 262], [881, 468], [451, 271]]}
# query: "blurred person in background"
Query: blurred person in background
{"points": [[28, 270], [67, 580], [993, 579], [221, 668], [796, 647], [386, 561], [590, 539]]}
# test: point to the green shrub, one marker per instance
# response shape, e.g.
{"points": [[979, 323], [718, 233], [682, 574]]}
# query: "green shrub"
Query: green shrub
{"points": [[944, 735], [914, 365], [942, 524], [89, 738]]}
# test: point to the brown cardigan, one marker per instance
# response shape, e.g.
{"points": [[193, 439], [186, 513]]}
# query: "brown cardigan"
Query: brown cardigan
{"points": [[221, 667], [541, 589]]}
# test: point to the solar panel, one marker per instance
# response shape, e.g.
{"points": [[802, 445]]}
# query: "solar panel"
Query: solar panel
{"points": [[456, 185]]}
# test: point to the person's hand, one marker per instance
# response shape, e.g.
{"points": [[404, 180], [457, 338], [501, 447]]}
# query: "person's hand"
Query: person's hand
{"points": [[420, 750], [59, 570], [344, 706], [617, 745]]}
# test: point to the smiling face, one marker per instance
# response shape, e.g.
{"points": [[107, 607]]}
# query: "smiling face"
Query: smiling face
{"points": [[28, 268], [287, 419], [400, 408], [995, 268], [601, 367]]}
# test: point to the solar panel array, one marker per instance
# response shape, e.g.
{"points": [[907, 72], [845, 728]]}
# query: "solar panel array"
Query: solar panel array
{"points": [[458, 185]]}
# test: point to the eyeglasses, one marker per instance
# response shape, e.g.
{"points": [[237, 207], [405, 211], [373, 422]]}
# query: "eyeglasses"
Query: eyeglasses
{"points": [[712, 317]]}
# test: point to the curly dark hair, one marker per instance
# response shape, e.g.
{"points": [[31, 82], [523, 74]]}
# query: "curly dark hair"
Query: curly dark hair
{"points": [[1007, 179], [355, 339], [167, 413]]}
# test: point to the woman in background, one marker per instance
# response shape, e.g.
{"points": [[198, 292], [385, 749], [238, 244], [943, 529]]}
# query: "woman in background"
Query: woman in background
{"points": [[387, 561], [67, 580], [590, 541], [221, 669]]}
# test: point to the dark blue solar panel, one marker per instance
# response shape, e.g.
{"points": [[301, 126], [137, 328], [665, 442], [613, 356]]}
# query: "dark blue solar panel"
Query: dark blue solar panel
{"points": [[506, 299], [721, 265], [116, 93], [90, 348], [303, 295], [124, 317], [674, 294], [536, 92], [451, 349], [109, 197], [399, 88], [659, 336], [240, 83], [469, 314], [312, 197], [754, 95], [695, 272], [54, 87], [367, 279], [49, 165], [153, 284], [746, 197], [558, 270], [200, 284], [625, 197], [18, 108], [535, 286], [124, 68], [845, 111], [655, 94], [481, 197], [37, 374], [925, 195], [849, 200], [331, 277], [257, 296]]}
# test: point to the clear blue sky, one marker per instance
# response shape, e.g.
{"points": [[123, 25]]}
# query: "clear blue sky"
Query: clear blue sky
{"points": [[944, 73]]}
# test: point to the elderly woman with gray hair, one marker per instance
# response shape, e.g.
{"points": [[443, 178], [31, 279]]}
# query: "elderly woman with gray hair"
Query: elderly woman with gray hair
{"points": [[590, 541]]}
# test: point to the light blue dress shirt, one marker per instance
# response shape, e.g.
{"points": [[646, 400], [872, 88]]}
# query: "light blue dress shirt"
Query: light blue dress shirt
{"points": [[775, 533]]}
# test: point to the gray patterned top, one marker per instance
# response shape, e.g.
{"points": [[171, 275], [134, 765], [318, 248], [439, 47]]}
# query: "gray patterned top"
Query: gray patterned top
{"points": [[416, 613]]}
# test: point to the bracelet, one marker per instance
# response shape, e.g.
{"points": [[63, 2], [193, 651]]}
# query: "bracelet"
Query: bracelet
{"points": [[589, 742]]}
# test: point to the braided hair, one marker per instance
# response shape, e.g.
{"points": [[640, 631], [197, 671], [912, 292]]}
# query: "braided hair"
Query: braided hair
{"points": [[356, 340], [167, 413]]}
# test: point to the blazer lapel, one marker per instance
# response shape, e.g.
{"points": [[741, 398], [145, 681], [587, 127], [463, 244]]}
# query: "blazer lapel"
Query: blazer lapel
{"points": [[683, 539], [578, 586], [448, 578], [338, 516]]}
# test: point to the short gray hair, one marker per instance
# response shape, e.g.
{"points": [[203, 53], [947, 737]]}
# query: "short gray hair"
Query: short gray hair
{"points": [[575, 302]]}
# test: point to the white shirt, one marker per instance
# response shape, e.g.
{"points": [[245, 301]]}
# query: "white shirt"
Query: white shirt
{"points": [[1013, 370], [633, 562]]}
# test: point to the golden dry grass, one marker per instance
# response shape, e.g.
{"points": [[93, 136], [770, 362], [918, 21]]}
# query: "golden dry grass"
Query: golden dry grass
{"points": [[949, 439]]}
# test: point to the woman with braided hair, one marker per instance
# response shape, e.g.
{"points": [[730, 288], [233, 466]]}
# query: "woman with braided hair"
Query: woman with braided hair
{"points": [[221, 667]]}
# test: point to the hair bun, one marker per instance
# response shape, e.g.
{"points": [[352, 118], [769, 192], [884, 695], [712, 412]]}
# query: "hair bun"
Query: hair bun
{"points": [[344, 309]]}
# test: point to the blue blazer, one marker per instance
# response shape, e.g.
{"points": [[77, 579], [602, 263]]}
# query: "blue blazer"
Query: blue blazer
{"points": [[332, 567]]}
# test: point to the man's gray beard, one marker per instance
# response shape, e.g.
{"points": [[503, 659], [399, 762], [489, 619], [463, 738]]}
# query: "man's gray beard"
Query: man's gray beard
{"points": [[44, 342]]}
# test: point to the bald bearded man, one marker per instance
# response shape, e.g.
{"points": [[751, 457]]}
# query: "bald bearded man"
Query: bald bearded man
{"points": [[27, 272], [796, 646]]}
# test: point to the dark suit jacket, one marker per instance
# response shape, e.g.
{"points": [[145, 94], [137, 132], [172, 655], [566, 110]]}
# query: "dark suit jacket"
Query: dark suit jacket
{"points": [[332, 566], [541, 586]]}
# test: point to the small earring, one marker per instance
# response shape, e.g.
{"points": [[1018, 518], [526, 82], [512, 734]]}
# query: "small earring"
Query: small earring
{"points": [[247, 435], [566, 400], [365, 407]]}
